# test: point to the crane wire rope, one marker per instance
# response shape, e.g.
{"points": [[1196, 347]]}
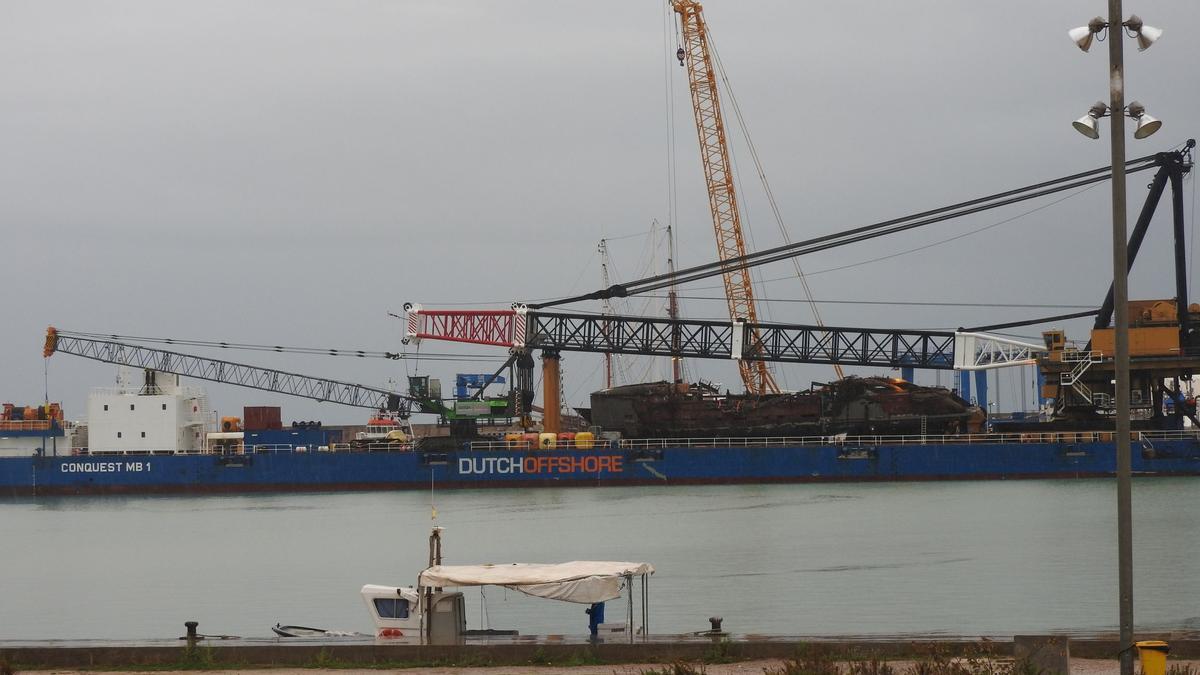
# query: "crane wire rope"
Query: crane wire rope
{"points": [[753, 274], [244, 346], [863, 233], [854, 236], [916, 249], [854, 264], [770, 194], [956, 237], [914, 303]]}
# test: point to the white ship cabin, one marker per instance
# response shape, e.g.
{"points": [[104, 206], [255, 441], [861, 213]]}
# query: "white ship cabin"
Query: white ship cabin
{"points": [[147, 412], [396, 611]]}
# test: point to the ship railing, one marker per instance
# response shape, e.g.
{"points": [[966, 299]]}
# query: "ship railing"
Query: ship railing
{"points": [[89, 452], [29, 425], [1057, 437], [372, 446]]}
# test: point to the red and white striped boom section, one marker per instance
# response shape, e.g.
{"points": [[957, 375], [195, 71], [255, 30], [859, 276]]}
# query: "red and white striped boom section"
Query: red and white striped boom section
{"points": [[499, 327]]}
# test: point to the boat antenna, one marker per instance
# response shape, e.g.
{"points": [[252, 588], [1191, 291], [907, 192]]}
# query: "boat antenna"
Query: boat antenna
{"points": [[433, 517], [435, 546]]}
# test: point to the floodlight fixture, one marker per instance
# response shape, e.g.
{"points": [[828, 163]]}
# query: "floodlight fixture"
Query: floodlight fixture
{"points": [[1146, 125], [1083, 35], [1146, 35], [1088, 125]]}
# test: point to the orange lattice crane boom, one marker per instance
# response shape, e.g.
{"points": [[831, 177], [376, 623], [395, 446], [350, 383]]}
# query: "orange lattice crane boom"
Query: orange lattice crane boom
{"points": [[718, 174]]}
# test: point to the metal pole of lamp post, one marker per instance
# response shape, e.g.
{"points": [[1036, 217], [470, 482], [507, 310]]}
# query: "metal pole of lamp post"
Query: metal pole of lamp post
{"points": [[1116, 107]]}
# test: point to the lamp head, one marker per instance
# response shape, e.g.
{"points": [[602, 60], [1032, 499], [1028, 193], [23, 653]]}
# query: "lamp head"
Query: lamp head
{"points": [[1088, 124], [1083, 35], [1146, 35], [1146, 125]]}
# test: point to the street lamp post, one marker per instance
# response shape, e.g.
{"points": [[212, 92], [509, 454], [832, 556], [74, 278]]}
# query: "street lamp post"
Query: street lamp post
{"points": [[1116, 94], [1146, 126]]}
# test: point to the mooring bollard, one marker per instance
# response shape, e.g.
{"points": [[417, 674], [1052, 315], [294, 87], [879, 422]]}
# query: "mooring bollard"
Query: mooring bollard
{"points": [[715, 622], [191, 633]]}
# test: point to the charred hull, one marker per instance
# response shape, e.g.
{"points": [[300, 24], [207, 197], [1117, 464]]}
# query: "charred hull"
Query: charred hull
{"points": [[854, 405]]}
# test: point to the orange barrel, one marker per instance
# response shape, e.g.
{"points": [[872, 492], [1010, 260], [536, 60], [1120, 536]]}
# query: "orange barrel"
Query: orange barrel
{"points": [[566, 439], [513, 441], [530, 441], [585, 440], [547, 440]]}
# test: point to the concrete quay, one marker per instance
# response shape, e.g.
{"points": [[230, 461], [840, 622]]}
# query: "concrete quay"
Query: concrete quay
{"points": [[532, 651]]}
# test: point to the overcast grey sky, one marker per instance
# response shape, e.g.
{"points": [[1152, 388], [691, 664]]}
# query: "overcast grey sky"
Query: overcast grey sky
{"points": [[289, 171]]}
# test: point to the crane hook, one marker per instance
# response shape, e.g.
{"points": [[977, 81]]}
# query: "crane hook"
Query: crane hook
{"points": [[679, 55]]}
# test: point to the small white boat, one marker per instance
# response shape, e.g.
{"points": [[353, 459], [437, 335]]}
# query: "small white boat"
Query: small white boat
{"points": [[439, 617]]}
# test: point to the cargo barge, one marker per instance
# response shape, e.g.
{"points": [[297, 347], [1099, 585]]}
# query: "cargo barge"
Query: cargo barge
{"points": [[159, 437], [151, 434], [630, 462]]}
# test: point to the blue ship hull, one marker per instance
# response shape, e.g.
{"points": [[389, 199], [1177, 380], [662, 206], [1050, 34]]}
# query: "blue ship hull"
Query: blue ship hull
{"points": [[323, 471]]}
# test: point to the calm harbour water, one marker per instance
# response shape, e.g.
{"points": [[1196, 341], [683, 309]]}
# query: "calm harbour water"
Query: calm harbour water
{"points": [[971, 558]]}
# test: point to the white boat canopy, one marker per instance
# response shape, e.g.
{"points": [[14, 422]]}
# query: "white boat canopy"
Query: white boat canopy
{"points": [[581, 581]]}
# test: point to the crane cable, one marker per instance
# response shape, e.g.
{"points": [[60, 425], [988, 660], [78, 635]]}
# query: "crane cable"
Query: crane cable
{"points": [[770, 194], [322, 351], [861, 233]]}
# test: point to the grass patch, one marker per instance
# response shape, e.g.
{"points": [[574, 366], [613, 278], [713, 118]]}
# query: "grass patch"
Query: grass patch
{"points": [[720, 652], [816, 660]]}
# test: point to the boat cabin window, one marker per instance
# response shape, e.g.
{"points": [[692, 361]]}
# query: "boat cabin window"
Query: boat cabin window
{"points": [[391, 608]]}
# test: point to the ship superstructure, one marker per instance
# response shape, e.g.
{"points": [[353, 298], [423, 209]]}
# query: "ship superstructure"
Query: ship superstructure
{"points": [[147, 412]]}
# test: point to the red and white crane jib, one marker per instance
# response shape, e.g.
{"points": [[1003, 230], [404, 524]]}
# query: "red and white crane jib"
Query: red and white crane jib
{"points": [[509, 328], [495, 327]]}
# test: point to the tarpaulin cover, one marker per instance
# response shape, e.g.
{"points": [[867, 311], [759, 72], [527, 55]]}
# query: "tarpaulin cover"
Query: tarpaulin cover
{"points": [[582, 581]]}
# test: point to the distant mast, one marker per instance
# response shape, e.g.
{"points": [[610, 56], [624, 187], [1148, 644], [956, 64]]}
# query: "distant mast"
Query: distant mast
{"points": [[673, 309], [606, 309]]}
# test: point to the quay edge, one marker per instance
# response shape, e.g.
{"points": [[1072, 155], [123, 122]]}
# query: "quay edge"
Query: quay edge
{"points": [[546, 651]]}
